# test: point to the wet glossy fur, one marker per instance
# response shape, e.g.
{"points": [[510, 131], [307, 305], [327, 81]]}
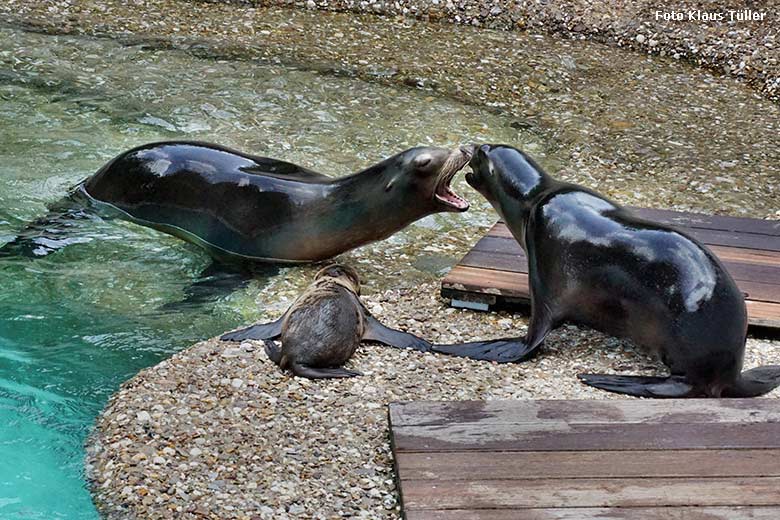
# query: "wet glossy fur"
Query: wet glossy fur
{"points": [[593, 262], [244, 207]]}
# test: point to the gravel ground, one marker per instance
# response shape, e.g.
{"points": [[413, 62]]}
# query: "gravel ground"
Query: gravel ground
{"points": [[218, 431], [746, 49]]}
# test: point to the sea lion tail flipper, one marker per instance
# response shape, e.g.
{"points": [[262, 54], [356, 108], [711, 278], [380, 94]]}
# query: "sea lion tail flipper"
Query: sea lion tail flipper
{"points": [[375, 331], [274, 351], [213, 282], [50, 233], [322, 373], [755, 382], [507, 350], [640, 386]]}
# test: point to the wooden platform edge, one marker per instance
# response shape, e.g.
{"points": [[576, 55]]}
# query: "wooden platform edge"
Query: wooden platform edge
{"points": [[477, 484], [624, 513], [760, 321], [391, 414], [472, 285]]}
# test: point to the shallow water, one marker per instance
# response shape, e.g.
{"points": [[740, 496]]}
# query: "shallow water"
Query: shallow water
{"points": [[77, 323]]}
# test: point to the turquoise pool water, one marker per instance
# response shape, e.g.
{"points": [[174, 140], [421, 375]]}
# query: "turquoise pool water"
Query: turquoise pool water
{"points": [[77, 323]]}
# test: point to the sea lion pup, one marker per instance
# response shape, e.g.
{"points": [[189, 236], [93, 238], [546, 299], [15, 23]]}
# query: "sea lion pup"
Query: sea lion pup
{"points": [[592, 262], [323, 328], [242, 208]]}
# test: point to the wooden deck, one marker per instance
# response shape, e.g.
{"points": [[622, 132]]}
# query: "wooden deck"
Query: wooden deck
{"points": [[689, 459], [495, 272]]}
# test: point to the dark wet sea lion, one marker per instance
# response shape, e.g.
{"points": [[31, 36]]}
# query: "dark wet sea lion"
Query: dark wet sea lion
{"points": [[323, 328], [248, 208], [592, 262]]}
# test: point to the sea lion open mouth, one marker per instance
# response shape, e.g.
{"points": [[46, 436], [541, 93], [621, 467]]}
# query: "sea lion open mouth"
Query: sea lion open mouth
{"points": [[444, 193]]}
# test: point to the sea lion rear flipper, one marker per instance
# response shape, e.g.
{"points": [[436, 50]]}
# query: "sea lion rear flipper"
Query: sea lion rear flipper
{"points": [[322, 373], [273, 351], [508, 350], [754, 382], [640, 386], [270, 330], [50, 233], [375, 331], [213, 282]]}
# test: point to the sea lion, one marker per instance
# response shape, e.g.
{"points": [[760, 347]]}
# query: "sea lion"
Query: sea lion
{"points": [[244, 208], [323, 328], [591, 261]]}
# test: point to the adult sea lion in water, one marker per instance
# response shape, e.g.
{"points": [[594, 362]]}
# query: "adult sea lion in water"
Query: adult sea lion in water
{"points": [[592, 262], [323, 328], [246, 208]]}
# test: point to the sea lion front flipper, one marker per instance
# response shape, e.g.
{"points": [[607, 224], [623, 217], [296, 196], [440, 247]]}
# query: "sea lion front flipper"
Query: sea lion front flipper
{"points": [[507, 350], [640, 386], [375, 331], [271, 330], [322, 373]]}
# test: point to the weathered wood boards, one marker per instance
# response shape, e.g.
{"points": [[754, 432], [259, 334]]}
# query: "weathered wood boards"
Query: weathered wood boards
{"points": [[496, 270], [581, 460]]}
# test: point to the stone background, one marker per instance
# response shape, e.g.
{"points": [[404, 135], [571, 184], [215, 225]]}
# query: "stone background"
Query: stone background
{"points": [[747, 50]]}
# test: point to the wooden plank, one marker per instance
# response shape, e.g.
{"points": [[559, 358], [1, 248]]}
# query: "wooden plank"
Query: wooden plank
{"points": [[634, 513], [709, 237], [567, 459], [748, 256], [497, 243], [575, 411], [585, 437], [506, 244], [588, 464], [760, 314], [487, 281], [516, 263], [763, 314], [513, 263], [705, 221], [506, 283], [591, 493], [757, 289]]}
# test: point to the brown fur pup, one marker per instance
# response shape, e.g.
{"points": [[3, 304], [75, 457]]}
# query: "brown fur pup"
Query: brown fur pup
{"points": [[323, 328]]}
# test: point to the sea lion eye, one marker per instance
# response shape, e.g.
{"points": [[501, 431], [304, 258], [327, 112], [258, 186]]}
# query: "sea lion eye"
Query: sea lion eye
{"points": [[422, 160]]}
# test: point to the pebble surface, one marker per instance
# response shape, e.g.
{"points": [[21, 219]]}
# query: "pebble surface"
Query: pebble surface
{"points": [[218, 431]]}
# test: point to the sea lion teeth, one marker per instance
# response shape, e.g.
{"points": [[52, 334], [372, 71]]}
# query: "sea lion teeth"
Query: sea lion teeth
{"points": [[444, 193]]}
